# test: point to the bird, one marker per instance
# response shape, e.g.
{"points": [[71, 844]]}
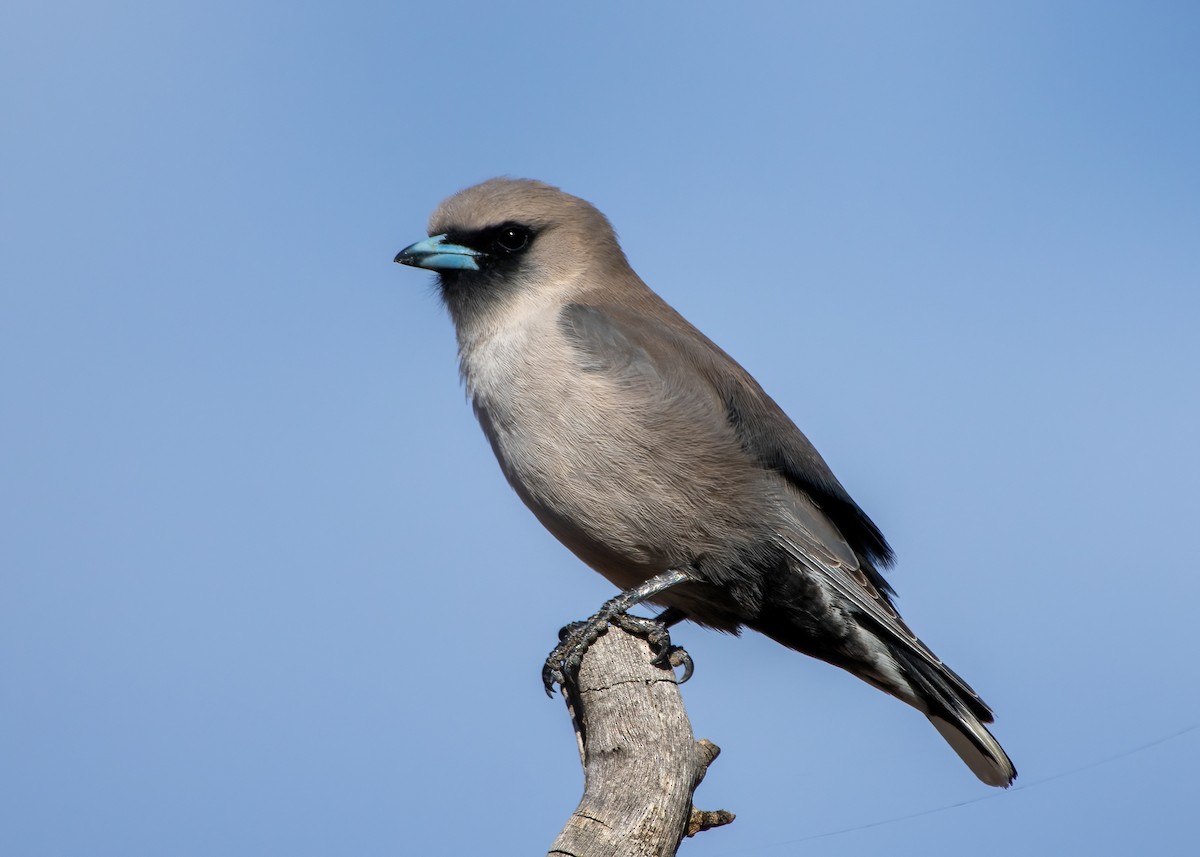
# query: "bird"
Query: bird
{"points": [[656, 459]]}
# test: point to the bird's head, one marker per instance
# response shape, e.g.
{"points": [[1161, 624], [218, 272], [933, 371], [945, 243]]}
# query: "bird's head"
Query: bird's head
{"points": [[515, 240]]}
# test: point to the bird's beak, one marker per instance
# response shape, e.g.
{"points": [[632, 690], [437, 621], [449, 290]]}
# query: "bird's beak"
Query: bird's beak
{"points": [[437, 254]]}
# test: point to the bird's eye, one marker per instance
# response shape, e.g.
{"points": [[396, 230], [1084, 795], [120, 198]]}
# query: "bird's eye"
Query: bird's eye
{"points": [[510, 239]]}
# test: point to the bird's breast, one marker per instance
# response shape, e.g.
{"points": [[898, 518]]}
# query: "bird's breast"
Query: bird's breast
{"points": [[623, 478], [562, 436]]}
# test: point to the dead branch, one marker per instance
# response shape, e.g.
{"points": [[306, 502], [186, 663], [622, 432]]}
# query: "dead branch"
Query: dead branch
{"points": [[641, 764]]}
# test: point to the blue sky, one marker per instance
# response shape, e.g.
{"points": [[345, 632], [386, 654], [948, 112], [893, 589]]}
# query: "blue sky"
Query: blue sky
{"points": [[262, 587]]}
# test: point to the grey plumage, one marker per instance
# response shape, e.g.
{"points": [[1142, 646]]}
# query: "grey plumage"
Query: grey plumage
{"points": [[643, 447]]}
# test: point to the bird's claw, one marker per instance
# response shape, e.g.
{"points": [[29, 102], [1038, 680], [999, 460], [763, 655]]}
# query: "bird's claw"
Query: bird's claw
{"points": [[675, 656], [552, 675], [575, 639]]}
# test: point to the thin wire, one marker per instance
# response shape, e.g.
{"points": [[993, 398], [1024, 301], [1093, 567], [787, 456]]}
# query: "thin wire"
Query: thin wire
{"points": [[993, 795]]}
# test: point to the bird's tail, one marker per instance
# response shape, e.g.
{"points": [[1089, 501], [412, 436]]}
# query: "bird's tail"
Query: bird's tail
{"points": [[959, 715]]}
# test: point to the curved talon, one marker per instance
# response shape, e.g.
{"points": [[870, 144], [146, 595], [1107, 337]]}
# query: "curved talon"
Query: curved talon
{"points": [[551, 676], [680, 658], [672, 657]]}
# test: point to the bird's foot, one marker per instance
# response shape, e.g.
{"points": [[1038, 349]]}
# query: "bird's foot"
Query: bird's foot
{"points": [[576, 638]]}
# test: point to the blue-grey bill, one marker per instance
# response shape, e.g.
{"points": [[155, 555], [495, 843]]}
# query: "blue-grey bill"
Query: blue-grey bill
{"points": [[438, 254]]}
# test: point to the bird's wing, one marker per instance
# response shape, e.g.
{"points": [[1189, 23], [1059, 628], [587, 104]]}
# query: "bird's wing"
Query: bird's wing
{"points": [[833, 539], [657, 340]]}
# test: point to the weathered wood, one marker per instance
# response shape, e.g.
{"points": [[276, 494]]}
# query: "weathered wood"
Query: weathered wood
{"points": [[641, 763]]}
